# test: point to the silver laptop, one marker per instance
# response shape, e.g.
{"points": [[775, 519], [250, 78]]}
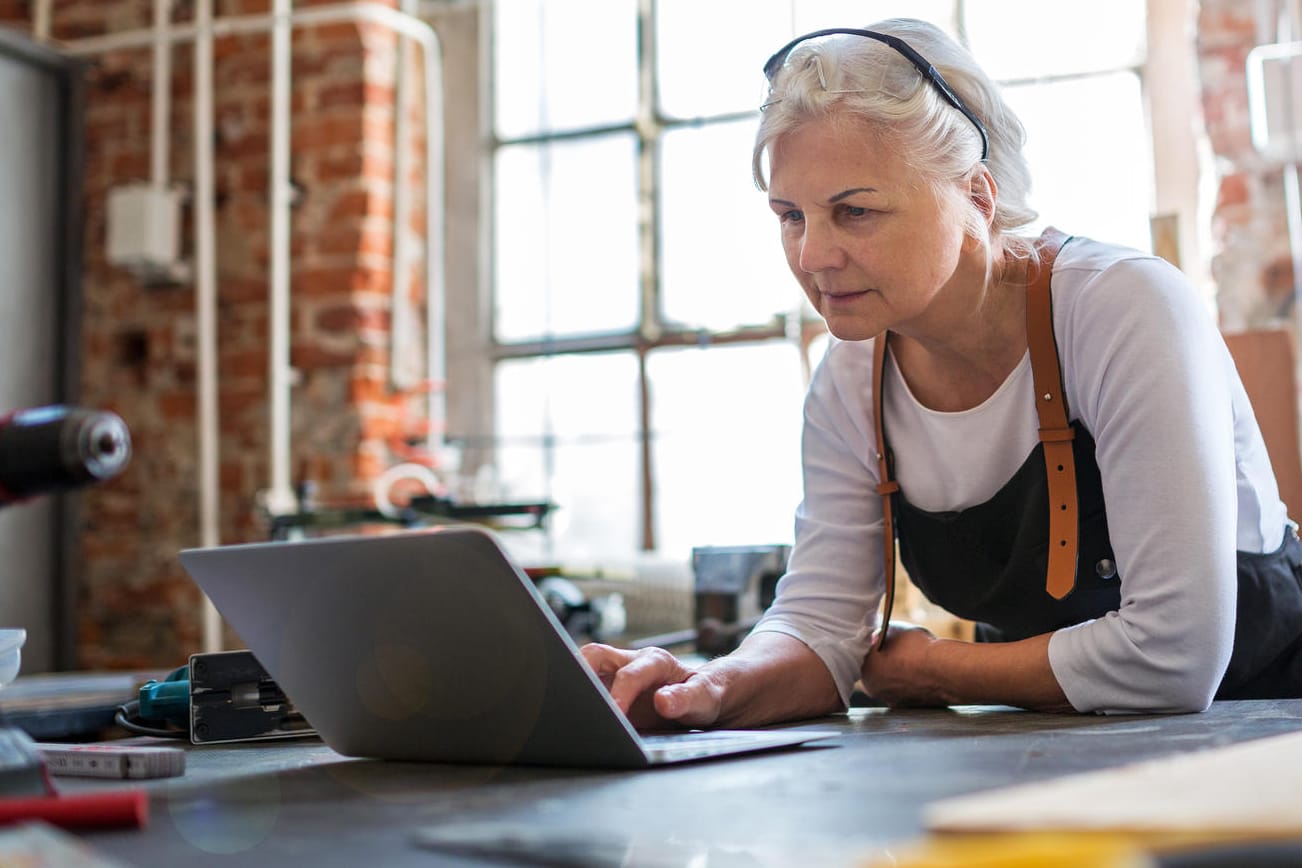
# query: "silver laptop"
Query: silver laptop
{"points": [[432, 645]]}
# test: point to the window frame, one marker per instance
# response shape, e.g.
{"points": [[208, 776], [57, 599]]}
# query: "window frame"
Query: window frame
{"points": [[473, 356]]}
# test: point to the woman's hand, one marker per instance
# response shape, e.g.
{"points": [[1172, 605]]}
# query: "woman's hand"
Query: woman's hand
{"points": [[898, 674], [915, 668], [654, 689]]}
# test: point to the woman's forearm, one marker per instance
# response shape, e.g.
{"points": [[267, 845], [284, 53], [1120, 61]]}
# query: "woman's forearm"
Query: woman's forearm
{"points": [[772, 677], [995, 673]]}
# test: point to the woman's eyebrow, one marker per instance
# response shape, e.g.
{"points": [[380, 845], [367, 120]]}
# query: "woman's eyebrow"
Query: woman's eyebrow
{"points": [[844, 193], [773, 200]]}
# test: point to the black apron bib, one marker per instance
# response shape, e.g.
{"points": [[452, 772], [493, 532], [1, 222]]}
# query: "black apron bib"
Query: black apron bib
{"points": [[988, 564]]}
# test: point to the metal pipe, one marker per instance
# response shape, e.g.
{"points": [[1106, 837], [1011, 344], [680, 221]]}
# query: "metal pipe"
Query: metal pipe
{"points": [[41, 20], [160, 91], [205, 254], [435, 249], [280, 497], [400, 305], [1293, 212]]}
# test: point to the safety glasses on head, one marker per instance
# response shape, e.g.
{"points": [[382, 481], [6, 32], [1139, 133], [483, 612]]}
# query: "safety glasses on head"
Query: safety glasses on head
{"points": [[923, 66]]}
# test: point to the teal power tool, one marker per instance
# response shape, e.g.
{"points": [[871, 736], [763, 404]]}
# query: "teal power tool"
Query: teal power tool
{"points": [[162, 709], [221, 697]]}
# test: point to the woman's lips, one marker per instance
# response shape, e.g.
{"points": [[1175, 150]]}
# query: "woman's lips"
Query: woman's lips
{"points": [[843, 298]]}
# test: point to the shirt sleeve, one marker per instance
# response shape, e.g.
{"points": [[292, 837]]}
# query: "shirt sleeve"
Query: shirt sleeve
{"points": [[829, 594], [1149, 376]]}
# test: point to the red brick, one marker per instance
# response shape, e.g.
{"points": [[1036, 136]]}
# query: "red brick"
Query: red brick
{"points": [[1233, 190], [178, 406]]}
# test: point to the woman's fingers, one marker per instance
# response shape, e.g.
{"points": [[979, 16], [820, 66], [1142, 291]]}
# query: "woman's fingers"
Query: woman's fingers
{"points": [[605, 661], [695, 702], [647, 670], [653, 687]]}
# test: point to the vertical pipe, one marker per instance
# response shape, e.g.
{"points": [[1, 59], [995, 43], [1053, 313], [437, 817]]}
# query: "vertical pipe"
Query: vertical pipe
{"points": [[1293, 211], [160, 92], [435, 246], [206, 301], [280, 497], [41, 20], [400, 300], [1286, 32]]}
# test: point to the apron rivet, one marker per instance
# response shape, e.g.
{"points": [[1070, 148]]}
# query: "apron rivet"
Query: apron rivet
{"points": [[1048, 396], [1106, 568]]}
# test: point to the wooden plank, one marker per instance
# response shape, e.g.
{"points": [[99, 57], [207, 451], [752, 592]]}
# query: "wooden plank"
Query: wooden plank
{"points": [[1252, 788]]}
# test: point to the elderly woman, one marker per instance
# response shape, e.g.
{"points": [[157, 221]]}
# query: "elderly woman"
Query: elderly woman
{"points": [[1052, 427]]}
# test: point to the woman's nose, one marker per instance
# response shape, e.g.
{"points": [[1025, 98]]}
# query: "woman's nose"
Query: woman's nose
{"points": [[819, 250]]}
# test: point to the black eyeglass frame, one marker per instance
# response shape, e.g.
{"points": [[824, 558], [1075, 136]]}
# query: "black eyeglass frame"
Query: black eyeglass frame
{"points": [[774, 63]]}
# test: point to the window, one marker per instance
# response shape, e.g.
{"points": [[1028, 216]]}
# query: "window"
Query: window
{"points": [[650, 348]]}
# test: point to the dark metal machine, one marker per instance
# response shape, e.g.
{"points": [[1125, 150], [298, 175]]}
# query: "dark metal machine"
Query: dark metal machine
{"points": [[734, 586]]}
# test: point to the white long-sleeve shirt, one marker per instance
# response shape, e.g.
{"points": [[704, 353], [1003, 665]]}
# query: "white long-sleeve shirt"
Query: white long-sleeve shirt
{"points": [[1185, 473]]}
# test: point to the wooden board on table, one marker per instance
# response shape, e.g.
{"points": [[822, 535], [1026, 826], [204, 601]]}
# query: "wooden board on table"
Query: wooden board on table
{"points": [[1252, 788]]}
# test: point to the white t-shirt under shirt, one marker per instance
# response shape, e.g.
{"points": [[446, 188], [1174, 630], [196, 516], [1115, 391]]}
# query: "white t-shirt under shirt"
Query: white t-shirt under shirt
{"points": [[1186, 481]]}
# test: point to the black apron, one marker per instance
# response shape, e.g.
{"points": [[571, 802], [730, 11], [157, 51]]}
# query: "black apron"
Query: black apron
{"points": [[988, 564]]}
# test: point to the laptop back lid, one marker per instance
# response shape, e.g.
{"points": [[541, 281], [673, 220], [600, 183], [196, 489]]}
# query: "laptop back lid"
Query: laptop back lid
{"points": [[424, 645]]}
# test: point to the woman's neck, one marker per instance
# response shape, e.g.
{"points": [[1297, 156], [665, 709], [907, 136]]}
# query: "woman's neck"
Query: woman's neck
{"points": [[977, 336]]}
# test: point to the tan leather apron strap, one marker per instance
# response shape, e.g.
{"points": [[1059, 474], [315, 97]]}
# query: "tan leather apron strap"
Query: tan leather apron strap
{"points": [[1056, 432], [886, 487]]}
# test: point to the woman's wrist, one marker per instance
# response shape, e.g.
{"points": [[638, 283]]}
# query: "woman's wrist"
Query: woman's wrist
{"points": [[941, 665], [772, 677]]}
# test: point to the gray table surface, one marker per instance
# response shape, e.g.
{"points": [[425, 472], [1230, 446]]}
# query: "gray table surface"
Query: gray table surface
{"points": [[838, 803]]}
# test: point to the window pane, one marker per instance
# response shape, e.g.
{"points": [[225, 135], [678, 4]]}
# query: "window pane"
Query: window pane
{"points": [[1091, 164], [566, 433], [721, 256], [711, 55], [701, 73], [1018, 39], [565, 244], [727, 422], [816, 14], [563, 64]]}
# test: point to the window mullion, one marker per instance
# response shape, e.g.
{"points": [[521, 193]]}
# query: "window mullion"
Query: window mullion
{"points": [[650, 326]]}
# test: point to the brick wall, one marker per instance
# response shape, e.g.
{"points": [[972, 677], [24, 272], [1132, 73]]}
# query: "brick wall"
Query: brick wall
{"points": [[135, 606], [1251, 261]]}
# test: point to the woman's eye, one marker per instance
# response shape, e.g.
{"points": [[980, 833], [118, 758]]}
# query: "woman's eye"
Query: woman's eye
{"points": [[855, 211], [792, 216]]}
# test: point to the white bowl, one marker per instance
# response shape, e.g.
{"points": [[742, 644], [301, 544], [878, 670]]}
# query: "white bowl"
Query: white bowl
{"points": [[11, 654]]}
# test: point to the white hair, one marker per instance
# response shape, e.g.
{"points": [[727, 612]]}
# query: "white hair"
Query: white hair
{"points": [[856, 78]]}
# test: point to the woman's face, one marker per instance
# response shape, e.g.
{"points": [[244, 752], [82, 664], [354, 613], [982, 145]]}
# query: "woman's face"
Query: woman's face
{"points": [[871, 244]]}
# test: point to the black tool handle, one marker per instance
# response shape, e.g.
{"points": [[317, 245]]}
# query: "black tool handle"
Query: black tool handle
{"points": [[50, 449]]}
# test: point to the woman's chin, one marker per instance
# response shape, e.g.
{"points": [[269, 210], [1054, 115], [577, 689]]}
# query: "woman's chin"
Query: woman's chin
{"points": [[845, 330]]}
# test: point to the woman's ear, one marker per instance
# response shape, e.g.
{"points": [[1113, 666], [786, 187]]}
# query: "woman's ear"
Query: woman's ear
{"points": [[983, 192]]}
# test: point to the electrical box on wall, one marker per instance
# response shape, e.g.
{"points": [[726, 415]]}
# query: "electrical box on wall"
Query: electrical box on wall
{"points": [[1274, 80], [144, 232]]}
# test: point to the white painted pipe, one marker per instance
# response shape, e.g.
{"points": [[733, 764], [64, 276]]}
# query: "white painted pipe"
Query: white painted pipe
{"points": [[280, 497], [41, 20], [160, 92], [205, 271], [1293, 213], [400, 304], [435, 249]]}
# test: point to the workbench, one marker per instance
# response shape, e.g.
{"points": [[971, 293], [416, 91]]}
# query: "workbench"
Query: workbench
{"points": [[837, 802]]}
